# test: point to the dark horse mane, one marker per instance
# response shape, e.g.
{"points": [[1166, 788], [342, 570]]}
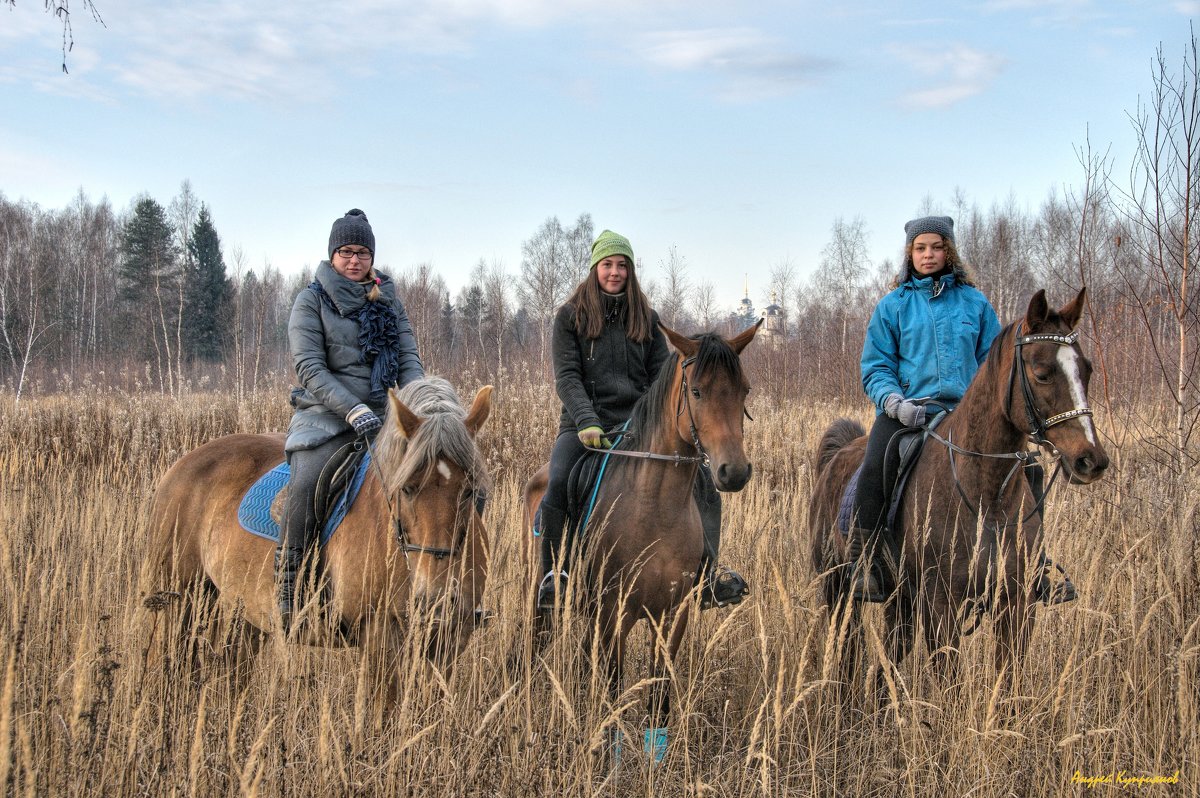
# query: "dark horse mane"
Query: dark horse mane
{"points": [[647, 416]]}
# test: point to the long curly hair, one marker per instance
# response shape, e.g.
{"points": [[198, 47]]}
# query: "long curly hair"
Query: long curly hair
{"points": [[589, 304], [962, 271]]}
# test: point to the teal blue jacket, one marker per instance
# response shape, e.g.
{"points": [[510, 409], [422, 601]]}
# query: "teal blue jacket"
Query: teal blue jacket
{"points": [[926, 339]]}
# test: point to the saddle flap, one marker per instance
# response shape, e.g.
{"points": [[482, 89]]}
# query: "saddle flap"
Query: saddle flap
{"points": [[909, 442]]}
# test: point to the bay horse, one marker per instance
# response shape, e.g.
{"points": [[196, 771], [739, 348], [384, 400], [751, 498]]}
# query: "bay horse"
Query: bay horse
{"points": [[643, 544], [412, 543], [970, 526]]}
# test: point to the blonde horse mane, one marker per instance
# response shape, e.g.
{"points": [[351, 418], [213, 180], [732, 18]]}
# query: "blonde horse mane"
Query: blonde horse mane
{"points": [[442, 435]]}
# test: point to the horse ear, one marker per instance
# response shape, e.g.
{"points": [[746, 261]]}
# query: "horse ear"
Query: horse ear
{"points": [[686, 346], [1038, 310], [407, 419], [481, 408], [744, 337], [1073, 310]]}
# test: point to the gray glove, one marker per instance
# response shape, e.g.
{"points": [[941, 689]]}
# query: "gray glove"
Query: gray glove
{"points": [[363, 419], [910, 414]]}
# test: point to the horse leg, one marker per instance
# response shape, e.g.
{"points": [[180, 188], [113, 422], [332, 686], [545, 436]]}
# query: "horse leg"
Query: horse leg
{"points": [[898, 615], [1012, 625], [658, 704], [942, 635], [605, 646]]}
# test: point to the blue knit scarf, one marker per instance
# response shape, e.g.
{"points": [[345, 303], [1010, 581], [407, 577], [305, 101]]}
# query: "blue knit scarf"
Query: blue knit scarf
{"points": [[379, 340]]}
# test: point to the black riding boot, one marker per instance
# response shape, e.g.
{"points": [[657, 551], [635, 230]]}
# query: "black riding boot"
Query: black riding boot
{"points": [[722, 586], [287, 573], [550, 524], [864, 583]]}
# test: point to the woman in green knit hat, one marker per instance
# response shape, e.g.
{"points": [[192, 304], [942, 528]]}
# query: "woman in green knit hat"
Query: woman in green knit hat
{"points": [[607, 349]]}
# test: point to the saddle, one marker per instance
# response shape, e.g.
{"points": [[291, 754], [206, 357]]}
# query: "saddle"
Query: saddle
{"points": [[908, 444], [261, 509]]}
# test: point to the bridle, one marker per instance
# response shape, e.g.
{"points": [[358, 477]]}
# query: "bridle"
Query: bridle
{"points": [[407, 546], [1038, 426], [682, 403]]}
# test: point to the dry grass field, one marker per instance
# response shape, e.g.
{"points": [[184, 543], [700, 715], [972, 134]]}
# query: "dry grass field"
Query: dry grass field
{"points": [[1109, 690]]}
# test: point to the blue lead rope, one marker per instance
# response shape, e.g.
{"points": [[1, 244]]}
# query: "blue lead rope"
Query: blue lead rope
{"points": [[600, 479]]}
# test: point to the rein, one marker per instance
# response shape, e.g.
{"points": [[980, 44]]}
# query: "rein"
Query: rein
{"points": [[1037, 434], [677, 459]]}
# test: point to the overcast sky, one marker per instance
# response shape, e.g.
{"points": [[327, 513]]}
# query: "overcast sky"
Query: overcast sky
{"points": [[736, 132]]}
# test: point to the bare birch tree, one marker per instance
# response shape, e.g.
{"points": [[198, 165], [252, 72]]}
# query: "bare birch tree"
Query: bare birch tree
{"points": [[1160, 207]]}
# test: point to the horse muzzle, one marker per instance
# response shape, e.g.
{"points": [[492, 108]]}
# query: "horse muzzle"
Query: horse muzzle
{"points": [[1086, 467], [732, 477]]}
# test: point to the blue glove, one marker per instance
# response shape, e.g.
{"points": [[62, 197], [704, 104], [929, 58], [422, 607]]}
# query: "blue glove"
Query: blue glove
{"points": [[910, 414], [363, 419]]}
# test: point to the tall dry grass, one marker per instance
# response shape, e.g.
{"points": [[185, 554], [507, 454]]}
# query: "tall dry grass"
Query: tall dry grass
{"points": [[89, 706]]}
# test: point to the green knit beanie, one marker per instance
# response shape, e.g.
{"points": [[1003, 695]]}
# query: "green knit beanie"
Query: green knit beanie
{"points": [[609, 243]]}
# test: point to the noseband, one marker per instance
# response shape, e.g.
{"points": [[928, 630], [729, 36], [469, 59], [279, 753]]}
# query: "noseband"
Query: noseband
{"points": [[1038, 425], [406, 546]]}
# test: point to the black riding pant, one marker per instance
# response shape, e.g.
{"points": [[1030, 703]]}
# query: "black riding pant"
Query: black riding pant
{"points": [[300, 516], [552, 514], [880, 462]]}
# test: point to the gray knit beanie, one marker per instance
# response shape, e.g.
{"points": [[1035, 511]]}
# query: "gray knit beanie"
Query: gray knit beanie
{"points": [[353, 228], [942, 225]]}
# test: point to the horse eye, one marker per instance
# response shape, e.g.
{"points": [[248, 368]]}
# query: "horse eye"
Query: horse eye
{"points": [[409, 491], [696, 393], [1043, 374]]}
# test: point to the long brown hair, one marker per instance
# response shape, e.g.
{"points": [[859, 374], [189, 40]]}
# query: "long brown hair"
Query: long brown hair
{"points": [[588, 302], [954, 262]]}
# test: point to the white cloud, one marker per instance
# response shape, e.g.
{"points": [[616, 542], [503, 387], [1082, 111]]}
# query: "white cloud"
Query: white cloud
{"points": [[181, 49], [748, 63], [957, 73], [1189, 8]]}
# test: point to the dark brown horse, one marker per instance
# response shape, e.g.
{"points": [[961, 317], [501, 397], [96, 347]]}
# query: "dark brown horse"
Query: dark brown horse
{"points": [[644, 541], [413, 540], [970, 525]]}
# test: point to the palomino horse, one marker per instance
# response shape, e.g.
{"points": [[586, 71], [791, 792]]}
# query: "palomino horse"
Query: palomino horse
{"points": [[970, 525], [413, 539], [645, 542]]}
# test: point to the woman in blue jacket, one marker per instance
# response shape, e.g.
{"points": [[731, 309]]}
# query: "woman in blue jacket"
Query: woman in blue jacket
{"points": [[925, 341], [350, 340]]}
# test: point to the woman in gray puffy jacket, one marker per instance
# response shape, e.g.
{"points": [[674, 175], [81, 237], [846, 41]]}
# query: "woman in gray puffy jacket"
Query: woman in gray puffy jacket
{"points": [[350, 341]]}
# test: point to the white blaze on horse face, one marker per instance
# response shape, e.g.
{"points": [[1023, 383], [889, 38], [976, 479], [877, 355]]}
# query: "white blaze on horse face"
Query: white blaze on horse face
{"points": [[1068, 361], [444, 470]]}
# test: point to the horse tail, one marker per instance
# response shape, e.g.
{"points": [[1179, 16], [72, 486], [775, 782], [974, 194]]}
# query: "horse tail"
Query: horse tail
{"points": [[839, 433]]}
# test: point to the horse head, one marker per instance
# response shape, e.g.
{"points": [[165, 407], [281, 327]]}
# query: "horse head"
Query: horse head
{"points": [[433, 474], [711, 407], [1048, 392]]}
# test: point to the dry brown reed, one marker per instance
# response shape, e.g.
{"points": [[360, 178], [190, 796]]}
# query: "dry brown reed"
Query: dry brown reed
{"points": [[89, 704]]}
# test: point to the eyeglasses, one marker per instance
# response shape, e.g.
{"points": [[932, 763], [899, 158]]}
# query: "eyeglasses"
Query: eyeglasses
{"points": [[365, 256]]}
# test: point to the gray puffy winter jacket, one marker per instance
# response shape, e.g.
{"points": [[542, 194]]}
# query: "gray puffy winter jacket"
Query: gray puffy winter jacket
{"points": [[324, 344]]}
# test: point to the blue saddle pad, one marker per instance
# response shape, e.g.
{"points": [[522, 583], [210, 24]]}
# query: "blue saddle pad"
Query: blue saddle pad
{"points": [[254, 513], [846, 508]]}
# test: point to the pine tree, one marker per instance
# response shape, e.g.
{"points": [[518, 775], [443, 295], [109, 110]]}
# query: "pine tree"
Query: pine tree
{"points": [[207, 292], [148, 280]]}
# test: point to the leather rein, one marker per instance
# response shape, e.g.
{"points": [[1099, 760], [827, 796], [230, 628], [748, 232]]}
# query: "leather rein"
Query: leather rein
{"points": [[682, 403]]}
